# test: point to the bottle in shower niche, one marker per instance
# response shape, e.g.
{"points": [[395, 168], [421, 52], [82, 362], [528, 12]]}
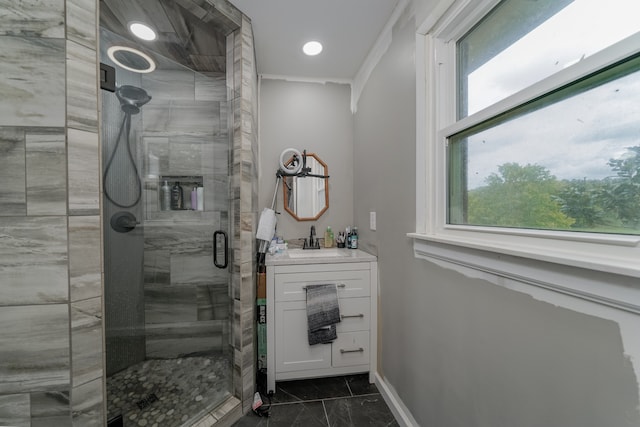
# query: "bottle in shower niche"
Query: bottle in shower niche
{"points": [[200, 195], [194, 199], [165, 197], [176, 197]]}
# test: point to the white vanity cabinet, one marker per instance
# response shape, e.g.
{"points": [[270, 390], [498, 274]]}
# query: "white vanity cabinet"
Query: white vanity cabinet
{"points": [[289, 355]]}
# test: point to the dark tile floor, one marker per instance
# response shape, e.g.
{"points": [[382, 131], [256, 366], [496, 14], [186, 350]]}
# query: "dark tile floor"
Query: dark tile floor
{"points": [[348, 401]]}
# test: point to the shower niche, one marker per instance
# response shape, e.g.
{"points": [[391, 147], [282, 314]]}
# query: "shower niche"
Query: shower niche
{"points": [[180, 193]]}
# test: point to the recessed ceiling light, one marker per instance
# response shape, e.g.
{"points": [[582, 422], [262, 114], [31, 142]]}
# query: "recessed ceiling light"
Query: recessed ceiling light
{"points": [[142, 31], [312, 48]]}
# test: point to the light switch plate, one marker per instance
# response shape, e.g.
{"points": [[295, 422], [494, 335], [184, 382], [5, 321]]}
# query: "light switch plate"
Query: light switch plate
{"points": [[372, 221]]}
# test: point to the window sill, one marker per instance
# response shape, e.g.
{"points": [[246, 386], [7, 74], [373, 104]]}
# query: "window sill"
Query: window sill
{"points": [[598, 276]]}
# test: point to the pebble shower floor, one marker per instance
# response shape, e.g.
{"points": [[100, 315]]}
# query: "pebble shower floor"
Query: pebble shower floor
{"points": [[168, 392]]}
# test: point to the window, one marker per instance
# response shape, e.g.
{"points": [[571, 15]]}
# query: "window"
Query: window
{"points": [[519, 42], [533, 138], [567, 161]]}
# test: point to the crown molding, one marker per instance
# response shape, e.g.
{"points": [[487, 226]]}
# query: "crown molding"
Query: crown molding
{"points": [[375, 54]]}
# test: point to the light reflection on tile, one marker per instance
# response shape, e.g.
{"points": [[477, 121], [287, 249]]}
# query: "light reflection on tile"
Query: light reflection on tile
{"points": [[166, 304], [181, 339], [173, 85], [33, 260], [33, 88], [87, 404], [46, 174], [15, 410], [156, 266], [84, 257], [211, 87], [82, 91], [81, 22], [86, 350], [193, 269], [32, 18], [182, 116], [34, 348], [188, 155], [50, 409], [13, 198], [84, 190]]}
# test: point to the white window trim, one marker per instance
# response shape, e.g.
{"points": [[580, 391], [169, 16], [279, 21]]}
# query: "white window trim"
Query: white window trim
{"points": [[531, 254]]}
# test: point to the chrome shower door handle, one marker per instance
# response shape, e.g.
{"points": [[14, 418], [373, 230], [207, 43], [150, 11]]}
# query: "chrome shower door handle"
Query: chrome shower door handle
{"points": [[225, 239]]}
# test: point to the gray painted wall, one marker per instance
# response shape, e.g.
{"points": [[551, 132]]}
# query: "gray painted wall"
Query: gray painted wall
{"points": [[457, 351], [460, 351], [315, 117]]}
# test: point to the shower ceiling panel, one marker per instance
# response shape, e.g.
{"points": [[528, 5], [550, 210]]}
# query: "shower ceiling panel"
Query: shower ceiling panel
{"points": [[184, 29]]}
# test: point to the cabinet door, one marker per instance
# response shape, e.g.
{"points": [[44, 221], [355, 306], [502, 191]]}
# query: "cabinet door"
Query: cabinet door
{"points": [[293, 352]]}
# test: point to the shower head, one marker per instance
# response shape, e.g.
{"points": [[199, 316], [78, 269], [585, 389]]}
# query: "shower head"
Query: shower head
{"points": [[132, 98]]}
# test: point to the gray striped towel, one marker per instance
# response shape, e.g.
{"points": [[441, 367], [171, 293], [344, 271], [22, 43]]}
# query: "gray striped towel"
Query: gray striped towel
{"points": [[323, 312]]}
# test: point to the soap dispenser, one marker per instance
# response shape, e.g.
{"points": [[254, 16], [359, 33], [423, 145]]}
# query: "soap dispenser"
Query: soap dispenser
{"points": [[328, 238]]}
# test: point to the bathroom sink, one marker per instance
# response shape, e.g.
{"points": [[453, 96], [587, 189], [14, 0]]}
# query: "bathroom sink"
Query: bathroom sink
{"points": [[315, 253]]}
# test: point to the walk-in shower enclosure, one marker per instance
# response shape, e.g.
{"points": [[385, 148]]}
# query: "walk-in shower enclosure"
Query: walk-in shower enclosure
{"points": [[167, 172], [52, 302]]}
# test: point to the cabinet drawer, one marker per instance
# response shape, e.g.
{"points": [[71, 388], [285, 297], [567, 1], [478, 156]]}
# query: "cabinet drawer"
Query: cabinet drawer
{"points": [[355, 313], [351, 284], [351, 348]]}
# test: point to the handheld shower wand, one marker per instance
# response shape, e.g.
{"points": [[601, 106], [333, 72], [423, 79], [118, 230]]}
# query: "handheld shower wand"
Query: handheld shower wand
{"points": [[131, 99]]}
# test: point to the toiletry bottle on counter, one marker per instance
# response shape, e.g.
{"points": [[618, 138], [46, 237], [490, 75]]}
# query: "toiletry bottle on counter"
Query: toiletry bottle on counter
{"points": [[176, 197], [354, 238], [165, 197], [347, 237], [328, 238]]}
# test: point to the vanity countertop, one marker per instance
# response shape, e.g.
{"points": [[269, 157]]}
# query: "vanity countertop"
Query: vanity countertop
{"points": [[318, 256]]}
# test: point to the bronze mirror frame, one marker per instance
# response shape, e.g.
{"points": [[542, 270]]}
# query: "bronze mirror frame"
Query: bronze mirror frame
{"points": [[288, 180]]}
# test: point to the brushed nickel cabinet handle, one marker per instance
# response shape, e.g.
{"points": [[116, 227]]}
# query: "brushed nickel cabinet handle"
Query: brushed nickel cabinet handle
{"points": [[360, 350], [347, 316], [340, 285]]}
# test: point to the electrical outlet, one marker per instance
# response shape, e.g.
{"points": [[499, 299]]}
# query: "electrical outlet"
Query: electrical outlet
{"points": [[372, 221]]}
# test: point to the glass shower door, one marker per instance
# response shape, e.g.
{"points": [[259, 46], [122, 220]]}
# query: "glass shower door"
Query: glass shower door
{"points": [[167, 302]]}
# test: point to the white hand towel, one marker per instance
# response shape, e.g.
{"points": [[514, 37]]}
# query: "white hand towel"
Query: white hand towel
{"points": [[267, 225]]}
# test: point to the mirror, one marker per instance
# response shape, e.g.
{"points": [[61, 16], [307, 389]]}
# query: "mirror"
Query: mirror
{"points": [[306, 198]]}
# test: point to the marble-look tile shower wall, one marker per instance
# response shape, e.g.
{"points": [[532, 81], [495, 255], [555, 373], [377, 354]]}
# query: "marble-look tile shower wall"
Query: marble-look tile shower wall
{"points": [[51, 354], [244, 186], [50, 272]]}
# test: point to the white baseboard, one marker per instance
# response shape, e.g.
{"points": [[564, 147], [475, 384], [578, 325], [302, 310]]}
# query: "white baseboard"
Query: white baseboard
{"points": [[400, 412]]}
